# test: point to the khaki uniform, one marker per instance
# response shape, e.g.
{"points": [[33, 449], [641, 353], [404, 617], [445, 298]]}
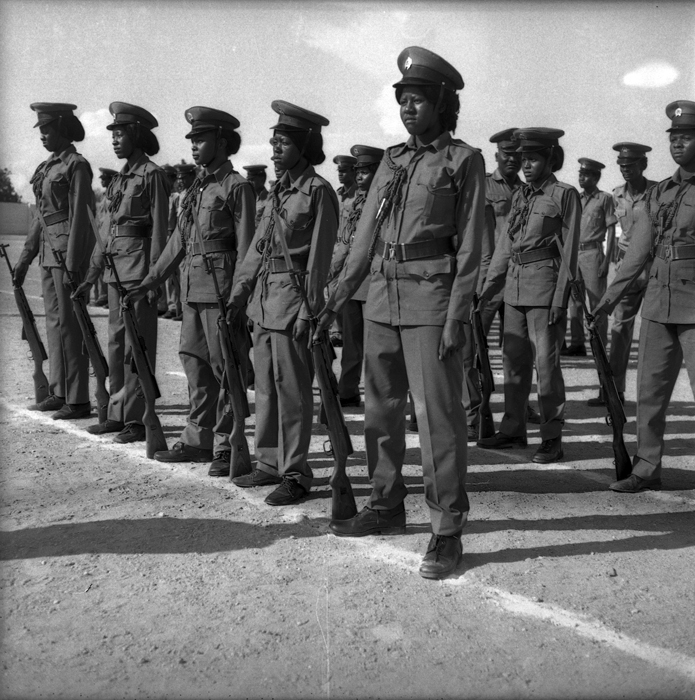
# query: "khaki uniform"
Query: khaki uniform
{"points": [[308, 218], [597, 215], [224, 206], [139, 205], [531, 288], [626, 206], [423, 272], [63, 189], [667, 334]]}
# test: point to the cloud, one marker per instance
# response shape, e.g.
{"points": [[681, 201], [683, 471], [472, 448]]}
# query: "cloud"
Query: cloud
{"points": [[389, 114], [651, 75]]}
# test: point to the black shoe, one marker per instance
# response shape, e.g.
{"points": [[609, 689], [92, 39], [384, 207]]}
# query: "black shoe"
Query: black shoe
{"points": [[371, 522], [181, 452], [169, 314], [442, 557], [473, 431], [412, 425], [549, 451], [102, 301], [73, 410], [133, 432], [635, 484], [336, 340], [351, 401], [532, 416], [500, 441], [178, 317], [106, 426], [50, 403], [256, 478], [220, 465], [162, 312], [596, 401], [289, 491], [574, 351]]}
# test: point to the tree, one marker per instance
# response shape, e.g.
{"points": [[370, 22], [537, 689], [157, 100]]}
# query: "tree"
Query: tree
{"points": [[7, 191]]}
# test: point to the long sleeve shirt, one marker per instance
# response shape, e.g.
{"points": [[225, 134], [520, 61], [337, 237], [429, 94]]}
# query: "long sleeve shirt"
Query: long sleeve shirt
{"points": [[307, 217], [443, 197], [225, 210], [63, 189], [597, 215], [138, 230], [554, 210], [670, 293]]}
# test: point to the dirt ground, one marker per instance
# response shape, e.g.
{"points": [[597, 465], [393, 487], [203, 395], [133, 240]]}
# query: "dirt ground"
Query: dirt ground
{"points": [[126, 578]]}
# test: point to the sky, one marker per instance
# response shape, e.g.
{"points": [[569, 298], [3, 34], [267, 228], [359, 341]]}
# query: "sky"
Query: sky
{"points": [[601, 71]]}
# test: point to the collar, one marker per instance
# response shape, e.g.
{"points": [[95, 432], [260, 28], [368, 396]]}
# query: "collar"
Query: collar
{"points": [[302, 183], [137, 166], [350, 192], [439, 144], [63, 155], [586, 197], [678, 177], [546, 187], [497, 175], [220, 174]]}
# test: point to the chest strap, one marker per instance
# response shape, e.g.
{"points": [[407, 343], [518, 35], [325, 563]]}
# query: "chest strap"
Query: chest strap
{"points": [[130, 231], [535, 255], [675, 252], [413, 251], [56, 217]]}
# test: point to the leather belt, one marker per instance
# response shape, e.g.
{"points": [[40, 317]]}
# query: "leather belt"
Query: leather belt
{"points": [[56, 217], [675, 252], [414, 251], [590, 245], [130, 231], [535, 255], [278, 264], [218, 245]]}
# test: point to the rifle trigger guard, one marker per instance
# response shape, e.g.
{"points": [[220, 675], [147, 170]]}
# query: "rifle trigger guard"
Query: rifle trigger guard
{"points": [[328, 448]]}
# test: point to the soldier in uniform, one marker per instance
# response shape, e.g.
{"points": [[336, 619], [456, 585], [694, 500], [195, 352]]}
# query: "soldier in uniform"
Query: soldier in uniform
{"points": [[101, 292], [627, 199], [663, 232], [367, 159], [536, 289], [598, 224], [419, 239], [62, 186], [223, 204], [139, 206], [256, 175], [165, 304], [304, 210]]}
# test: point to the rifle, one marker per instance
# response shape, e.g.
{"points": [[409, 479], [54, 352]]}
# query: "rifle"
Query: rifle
{"points": [[89, 334], [616, 413], [233, 382], [343, 506], [30, 333], [486, 423], [154, 435]]}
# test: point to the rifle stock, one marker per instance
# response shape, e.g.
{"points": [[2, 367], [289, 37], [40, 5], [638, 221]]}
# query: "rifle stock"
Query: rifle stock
{"points": [[30, 333], [616, 413], [486, 424]]}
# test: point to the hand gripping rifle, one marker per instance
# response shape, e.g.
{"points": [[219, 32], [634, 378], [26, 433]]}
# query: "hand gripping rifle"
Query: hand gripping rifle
{"points": [[343, 506], [154, 435], [30, 333], [233, 382], [486, 424], [89, 334], [616, 413]]}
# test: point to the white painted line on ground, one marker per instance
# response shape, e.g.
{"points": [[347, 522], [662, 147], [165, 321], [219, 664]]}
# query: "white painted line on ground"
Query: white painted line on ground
{"points": [[28, 296]]}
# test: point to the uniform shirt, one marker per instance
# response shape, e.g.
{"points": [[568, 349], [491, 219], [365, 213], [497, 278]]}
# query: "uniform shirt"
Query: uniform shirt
{"points": [[670, 293], [555, 210], [63, 183], [625, 205], [261, 199], [308, 219], [138, 196], [498, 194], [597, 215], [224, 208], [443, 197]]}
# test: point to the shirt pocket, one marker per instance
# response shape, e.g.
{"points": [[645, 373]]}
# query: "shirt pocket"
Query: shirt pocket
{"points": [[58, 235], [546, 219], [501, 205], [683, 271], [440, 191], [136, 203], [131, 253], [59, 186], [217, 215], [431, 271]]}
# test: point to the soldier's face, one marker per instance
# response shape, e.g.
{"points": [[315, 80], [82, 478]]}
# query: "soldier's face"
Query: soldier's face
{"points": [[346, 176], [285, 154], [105, 180], [184, 181], [632, 172], [417, 113], [508, 161], [204, 147], [364, 177], [587, 179], [122, 145], [49, 137], [683, 147], [257, 180], [535, 167]]}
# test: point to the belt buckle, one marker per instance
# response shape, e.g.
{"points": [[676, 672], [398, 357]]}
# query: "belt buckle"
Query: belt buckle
{"points": [[392, 250], [667, 251]]}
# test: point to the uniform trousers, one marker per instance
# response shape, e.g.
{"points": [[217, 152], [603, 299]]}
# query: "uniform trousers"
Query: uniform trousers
{"points": [[623, 326], [662, 348], [126, 403], [588, 263], [527, 338], [284, 404], [173, 292], [398, 358], [210, 418], [68, 362], [353, 349]]}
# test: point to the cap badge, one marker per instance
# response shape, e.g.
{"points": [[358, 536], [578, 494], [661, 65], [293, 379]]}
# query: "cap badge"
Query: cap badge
{"points": [[678, 112], [408, 63]]}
